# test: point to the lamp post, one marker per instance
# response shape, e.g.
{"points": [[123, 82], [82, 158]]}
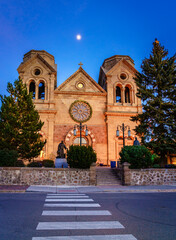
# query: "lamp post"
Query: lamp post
{"points": [[123, 128], [80, 127]]}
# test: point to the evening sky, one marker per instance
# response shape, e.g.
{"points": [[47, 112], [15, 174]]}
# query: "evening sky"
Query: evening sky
{"points": [[107, 27]]}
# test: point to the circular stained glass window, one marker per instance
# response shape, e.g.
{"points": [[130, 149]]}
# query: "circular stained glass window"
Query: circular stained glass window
{"points": [[80, 111]]}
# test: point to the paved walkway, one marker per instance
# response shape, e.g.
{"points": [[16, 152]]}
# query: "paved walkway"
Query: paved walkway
{"points": [[87, 189], [100, 189]]}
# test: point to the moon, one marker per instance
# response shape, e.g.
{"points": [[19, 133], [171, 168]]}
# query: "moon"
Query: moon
{"points": [[78, 37]]}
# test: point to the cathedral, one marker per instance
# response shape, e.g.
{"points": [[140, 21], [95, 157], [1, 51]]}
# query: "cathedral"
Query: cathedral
{"points": [[80, 109]]}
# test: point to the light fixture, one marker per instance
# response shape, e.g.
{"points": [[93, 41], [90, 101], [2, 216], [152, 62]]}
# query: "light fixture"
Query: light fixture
{"points": [[74, 131]]}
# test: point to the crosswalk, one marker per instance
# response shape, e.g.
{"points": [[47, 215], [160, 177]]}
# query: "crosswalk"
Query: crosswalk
{"points": [[68, 201]]}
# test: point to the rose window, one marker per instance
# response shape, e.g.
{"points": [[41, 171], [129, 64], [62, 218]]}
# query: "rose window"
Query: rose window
{"points": [[80, 111]]}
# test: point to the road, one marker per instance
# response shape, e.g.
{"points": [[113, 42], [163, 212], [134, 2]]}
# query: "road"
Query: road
{"points": [[95, 216]]}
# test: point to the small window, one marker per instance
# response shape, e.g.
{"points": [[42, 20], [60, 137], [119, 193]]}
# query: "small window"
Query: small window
{"points": [[123, 76], [118, 94], [127, 95], [37, 72], [32, 89], [41, 92]]}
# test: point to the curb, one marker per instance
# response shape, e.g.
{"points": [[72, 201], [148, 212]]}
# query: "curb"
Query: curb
{"points": [[12, 191]]}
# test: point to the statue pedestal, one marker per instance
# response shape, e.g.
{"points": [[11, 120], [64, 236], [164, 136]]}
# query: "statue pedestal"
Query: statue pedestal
{"points": [[61, 163]]}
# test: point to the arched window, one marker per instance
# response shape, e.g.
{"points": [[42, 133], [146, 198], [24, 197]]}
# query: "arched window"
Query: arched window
{"points": [[127, 95], [118, 94], [32, 89], [41, 91], [77, 141]]}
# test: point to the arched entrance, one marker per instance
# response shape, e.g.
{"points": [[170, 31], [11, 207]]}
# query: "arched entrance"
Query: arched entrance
{"points": [[88, 140]]}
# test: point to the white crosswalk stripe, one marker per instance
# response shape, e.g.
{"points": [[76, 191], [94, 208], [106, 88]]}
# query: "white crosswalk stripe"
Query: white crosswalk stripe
{"points": [[58, 197], [65, 194], [76, 213], [72, 205], [76, 200], [68, 200], [90, 237], [79, 225]]}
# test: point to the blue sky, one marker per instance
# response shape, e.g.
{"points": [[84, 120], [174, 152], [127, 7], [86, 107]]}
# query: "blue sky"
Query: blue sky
{"points": [[107, 27]]}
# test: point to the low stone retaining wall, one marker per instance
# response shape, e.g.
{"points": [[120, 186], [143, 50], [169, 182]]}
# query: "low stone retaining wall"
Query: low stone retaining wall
{"points": [[151, 176], [47, 176]]}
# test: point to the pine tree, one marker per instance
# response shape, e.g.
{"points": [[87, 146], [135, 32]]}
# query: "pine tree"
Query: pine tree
{"points": [[20, 122], [157, 90]]}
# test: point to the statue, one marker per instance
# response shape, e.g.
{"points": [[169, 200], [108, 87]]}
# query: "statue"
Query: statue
{"points": [[60, 150], [136, 142]]}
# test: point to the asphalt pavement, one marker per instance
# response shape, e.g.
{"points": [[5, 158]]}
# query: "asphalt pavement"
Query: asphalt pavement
{"points": [[72, 215]]}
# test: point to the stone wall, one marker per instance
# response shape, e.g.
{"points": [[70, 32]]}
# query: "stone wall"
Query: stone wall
{"points": [[151, 176], [47, 176]]}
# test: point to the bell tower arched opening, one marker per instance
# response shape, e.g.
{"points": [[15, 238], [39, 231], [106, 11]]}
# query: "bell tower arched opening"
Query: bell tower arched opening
{"points": [[118, 94], [32, 89], [127, 95], [41, 90]]}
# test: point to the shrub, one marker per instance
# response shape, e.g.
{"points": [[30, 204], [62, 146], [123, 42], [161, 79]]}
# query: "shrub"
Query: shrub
{"points": [[170, 166], [19, 163], [34, 164], [137, 156], [8, 158], [48, 163], [155, 159], [156, 166], [81, 156]]}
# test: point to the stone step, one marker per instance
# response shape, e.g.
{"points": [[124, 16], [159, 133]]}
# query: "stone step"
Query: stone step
{"points": [[107, 176]]}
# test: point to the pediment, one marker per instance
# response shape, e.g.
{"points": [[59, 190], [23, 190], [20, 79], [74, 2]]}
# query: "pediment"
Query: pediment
{"points": [[80, 82], [123, 65], [36, 59]]}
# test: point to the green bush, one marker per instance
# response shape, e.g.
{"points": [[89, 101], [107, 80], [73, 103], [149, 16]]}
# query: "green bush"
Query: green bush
{"points": [[34, 164], [19, 163], [48, 163], [137, 156], [170, 166], [156, 166], [81, 156], [8, 158]]}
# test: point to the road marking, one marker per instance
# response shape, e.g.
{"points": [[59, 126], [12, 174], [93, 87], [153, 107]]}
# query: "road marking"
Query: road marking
{"points": [[79, 225], [76, 213], [67, 197], [71, 205], [66, 194], [68, 200], [90, 237]]}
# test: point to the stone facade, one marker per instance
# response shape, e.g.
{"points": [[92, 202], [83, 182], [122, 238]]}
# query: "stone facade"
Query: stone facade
{"points": [[47, 176], [113, 101], [149, 176]]}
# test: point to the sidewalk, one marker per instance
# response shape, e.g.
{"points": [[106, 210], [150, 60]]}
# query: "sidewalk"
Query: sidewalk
{"points": [[87, 189], [102, 189]]}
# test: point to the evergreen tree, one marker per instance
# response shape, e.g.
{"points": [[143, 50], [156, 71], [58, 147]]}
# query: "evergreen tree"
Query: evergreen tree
{"points": [[20, 122], [157, 90]]}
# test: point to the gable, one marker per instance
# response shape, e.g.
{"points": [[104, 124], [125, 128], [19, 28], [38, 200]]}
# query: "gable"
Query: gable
{"points": [[80, 83], [36, 60], [122, 65]]}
